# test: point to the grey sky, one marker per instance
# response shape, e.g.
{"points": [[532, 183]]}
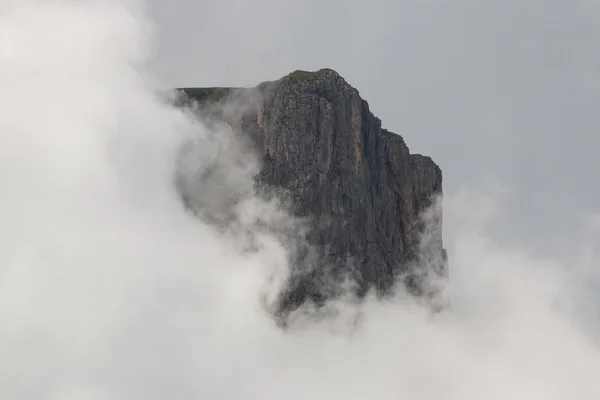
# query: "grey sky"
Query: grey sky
{"points": [[497, 92]]}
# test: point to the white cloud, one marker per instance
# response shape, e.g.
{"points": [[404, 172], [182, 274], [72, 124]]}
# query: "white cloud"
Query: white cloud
{"points": [[109, 290]]}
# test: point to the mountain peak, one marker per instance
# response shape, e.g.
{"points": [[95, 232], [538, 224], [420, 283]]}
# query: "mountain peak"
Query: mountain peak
{"points": [[321, 73], [365, 194]]}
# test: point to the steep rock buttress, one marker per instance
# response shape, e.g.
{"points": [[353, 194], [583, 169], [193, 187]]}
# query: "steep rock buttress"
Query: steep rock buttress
{"points": [[362, 190]]}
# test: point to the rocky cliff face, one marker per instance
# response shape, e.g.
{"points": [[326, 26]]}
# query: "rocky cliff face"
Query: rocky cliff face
{"points": [[357, 183]]}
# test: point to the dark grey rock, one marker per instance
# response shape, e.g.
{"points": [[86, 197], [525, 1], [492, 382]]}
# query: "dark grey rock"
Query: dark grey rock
{"points": [[361, 190]]}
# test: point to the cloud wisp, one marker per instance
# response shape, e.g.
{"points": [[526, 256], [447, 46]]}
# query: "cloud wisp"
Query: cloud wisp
{"points": [[111, 290]]}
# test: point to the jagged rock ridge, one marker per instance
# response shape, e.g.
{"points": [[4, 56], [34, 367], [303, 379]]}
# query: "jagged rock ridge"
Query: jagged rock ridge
{"points": [[357, 182]]}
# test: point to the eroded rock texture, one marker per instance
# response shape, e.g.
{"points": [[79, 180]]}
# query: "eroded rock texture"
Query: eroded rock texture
{"points": [[357, 183]]}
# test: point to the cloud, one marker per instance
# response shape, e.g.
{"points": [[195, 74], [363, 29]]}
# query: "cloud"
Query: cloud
{"points": [[111, 290]]}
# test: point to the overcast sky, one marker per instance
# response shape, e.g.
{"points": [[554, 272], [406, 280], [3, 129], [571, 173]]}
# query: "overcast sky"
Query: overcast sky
{"points": [[503, 94]]}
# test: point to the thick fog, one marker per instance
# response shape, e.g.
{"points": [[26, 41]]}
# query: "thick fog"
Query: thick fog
{"points": [[110, 290]]}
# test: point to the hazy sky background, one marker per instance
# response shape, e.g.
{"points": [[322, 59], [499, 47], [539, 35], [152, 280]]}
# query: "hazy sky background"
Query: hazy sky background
{"points": [[501, 93]]}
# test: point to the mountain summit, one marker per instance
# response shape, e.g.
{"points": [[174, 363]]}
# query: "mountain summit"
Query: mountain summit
{"points": [[370, 202]]}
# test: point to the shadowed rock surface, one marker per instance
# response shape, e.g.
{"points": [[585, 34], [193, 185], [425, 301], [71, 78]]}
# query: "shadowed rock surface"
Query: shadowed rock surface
{"points": [[362, 191]]}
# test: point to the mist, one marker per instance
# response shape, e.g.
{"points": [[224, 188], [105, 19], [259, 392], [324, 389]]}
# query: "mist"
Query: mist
{"points": [[111, 290]]}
